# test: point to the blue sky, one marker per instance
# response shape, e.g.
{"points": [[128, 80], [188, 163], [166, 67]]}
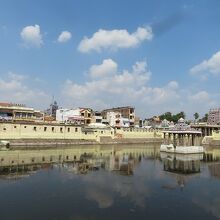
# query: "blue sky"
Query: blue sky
{"points": [[156, 55]]}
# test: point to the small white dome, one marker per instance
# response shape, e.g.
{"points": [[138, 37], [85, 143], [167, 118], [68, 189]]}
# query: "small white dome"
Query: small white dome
{"points": [[181, 120]]}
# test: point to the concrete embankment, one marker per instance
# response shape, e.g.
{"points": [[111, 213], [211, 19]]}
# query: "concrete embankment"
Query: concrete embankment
{"points": [[211, 141], [48, 143]]}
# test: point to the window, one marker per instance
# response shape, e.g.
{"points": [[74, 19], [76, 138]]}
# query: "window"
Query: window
{"points": [[15, 126], [35, 128], [52, 129], [68, 129], [61, 130], [45, 128], [25, 126], [4, 129], [76, 129]]}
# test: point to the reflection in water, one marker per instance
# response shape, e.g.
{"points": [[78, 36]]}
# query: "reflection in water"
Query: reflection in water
{"points": [[109, 182], [182, 164], [78, 159], [215, 170]]}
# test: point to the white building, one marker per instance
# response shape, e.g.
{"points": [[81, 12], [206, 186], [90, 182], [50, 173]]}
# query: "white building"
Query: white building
{"points": [[69, 116], [126, 112], [115, 119]]}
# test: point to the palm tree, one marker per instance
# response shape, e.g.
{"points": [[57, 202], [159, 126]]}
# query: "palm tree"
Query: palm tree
{"points": [[196, 116]]}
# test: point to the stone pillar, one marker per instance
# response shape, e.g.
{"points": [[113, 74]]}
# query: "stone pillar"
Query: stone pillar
{"points": [[196, 140], [169, 138], [193, 139], [178, 139], [203, 131]]}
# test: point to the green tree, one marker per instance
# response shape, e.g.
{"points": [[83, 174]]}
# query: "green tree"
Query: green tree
{"points": [[175, 118], [196, 116], [181, 115], [167, 116], [206, 117]]}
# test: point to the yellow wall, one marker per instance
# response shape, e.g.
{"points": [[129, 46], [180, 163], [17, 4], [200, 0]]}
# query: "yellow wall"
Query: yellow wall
{"points": [[33, 131], [137, 133], [215, 135], [40, 131]]}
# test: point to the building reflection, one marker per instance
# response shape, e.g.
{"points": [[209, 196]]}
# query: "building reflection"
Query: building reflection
{"points": [[214, 170], [121, 160], [18, 172], [182, 164], [212, 154], [181, 167], [81, 160]]}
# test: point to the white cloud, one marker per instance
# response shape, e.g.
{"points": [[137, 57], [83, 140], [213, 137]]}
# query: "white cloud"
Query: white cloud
{"points": [[201, 96], [123, 88], [64, 37], [14, 88], [115, 39], [107, 68], [199, 101], [207, 67], [16, 77], [32, 36], [110, 87], [173, 85]]}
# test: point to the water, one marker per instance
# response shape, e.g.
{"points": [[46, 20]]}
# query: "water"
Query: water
{"points": [[109, 182]]}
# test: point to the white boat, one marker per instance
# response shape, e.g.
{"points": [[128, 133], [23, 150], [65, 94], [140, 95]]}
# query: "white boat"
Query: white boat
{"points": [[175, 143]]}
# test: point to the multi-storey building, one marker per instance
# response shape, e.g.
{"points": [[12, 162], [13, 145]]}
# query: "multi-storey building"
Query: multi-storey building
{"points": [[116, 120], [126, 112], [19, 112], [214, 116], [75, 116], [87, 114], [96, 117]]}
